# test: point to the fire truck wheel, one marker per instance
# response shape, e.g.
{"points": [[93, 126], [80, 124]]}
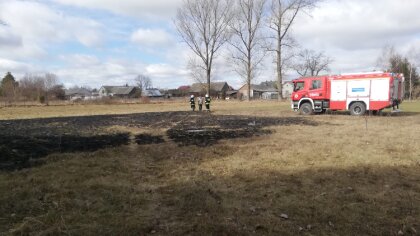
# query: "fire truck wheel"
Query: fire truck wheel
{"points": [[306, 109], [357, 109]]}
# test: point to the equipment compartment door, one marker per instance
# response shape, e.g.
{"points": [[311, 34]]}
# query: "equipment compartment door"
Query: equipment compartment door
{"points": [[380, 90], [358, 88], [338, 90], [396, 89]]}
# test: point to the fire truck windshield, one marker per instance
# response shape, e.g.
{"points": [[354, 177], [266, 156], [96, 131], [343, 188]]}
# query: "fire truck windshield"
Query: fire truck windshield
{"points": [[298, 86]]}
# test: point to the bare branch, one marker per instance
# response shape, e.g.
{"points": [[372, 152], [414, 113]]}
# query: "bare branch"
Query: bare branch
{"points": [[311, 63], [143, 82], [247, 45], [203, 26], [283, 15]]}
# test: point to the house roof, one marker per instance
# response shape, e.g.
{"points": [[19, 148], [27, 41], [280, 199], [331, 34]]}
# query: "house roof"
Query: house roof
{"points": [[263, 88], [184, 87], [119, 90], [78, 91], [267, 86], [214, 86], [152, 93]]}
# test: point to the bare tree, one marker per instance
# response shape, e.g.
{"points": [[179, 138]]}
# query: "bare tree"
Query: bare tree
{"points": [[197, 72], [248, 42], [203, 26], [283, 15], [392, 61], [32, 87], [143, 82], [50, 81], [387, 55], [414, 56], [311, 63]]}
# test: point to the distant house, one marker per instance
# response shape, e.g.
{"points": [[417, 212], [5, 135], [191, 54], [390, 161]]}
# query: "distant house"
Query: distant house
{"points": [[152, 93], [232, 94], [78, 94], [287, 89], [119, 91], [184, 88], [181, 91], [265, 90], [217, 89]]}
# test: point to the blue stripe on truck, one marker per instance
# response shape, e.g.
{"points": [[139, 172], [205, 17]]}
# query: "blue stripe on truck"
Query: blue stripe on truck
{"points": [[357, 90]]}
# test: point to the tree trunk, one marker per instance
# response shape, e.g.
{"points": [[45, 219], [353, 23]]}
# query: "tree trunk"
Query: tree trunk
{"points": [[279, 59], [279, 72], [248, 76], [208, 81]]}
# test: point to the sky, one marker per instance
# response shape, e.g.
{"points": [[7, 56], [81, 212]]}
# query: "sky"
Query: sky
{"points": [[107, 42]]}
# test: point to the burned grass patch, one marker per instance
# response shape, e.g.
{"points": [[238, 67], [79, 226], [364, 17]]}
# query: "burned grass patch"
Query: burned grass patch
{"points": [[18, 152], [143, 139], [210, 136], [23, 141], [205, 130]]}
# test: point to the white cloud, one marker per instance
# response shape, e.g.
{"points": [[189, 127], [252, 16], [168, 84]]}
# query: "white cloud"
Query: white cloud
{"points": [[9, 38], [15, 66], [32, 26], [12, 45], [359, 24], [164, 71], [88, 70], [154, 9], [80, 60], [155, 38], [354, 31]]}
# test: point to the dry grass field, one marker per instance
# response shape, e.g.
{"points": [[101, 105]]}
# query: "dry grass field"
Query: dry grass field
{"points": [[330, 174]]}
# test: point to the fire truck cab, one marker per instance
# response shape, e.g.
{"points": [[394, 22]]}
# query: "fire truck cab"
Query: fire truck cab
{"points": [[357, 93]]}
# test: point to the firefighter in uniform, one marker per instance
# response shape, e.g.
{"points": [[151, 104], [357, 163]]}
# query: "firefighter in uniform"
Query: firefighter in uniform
{"points": [[207, 101], [200, 103], [395, 102], [192, 102]]}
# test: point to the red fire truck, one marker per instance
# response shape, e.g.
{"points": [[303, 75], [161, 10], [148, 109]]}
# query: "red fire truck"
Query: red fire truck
{"points": [[357, 93]]}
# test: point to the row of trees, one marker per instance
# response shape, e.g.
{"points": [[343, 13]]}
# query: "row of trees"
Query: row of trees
{"points": [[41, 88], [393, 61], [46, 87], [250, 29]]}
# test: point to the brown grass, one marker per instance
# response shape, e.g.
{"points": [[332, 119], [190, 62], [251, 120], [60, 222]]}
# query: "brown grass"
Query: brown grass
{"points": [[218, 107], [346, 176]]}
